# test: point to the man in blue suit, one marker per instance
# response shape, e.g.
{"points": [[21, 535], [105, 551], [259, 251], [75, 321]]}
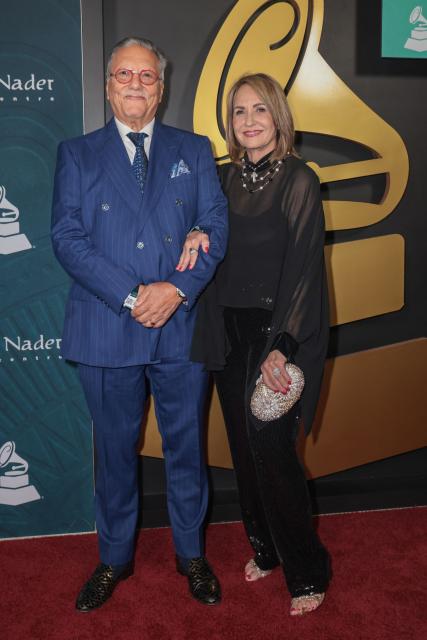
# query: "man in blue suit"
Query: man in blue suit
{"points": [[125, 198]]}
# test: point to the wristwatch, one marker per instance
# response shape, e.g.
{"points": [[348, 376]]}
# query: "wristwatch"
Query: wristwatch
{"points": [[196, 228], [129, 303], [181, 295]]}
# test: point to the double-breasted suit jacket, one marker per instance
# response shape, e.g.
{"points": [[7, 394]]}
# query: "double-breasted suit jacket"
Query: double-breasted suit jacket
{"points": [[110, 239]]}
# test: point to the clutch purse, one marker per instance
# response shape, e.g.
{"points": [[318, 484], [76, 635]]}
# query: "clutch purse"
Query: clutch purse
{"points": [[267, 405]]}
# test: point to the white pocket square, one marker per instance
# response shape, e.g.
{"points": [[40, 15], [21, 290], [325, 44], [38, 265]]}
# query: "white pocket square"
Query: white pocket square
{"points": [[179, 169]]}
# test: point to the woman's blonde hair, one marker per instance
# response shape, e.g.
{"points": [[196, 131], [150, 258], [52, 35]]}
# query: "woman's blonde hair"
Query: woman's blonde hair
{"points": [[273, 96]]}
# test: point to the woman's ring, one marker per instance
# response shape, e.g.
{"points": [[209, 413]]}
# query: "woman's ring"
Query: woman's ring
{"points": [[193, 251], [276, 372]]}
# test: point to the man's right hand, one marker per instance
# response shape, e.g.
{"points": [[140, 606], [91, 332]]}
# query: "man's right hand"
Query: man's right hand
{"points": [[155, 304]]}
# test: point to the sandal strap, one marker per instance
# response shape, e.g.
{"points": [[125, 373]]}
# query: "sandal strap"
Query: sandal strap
{"points": [[311, 596], [261, 573]]}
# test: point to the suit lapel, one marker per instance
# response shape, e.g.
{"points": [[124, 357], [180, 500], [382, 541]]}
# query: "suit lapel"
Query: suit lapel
{"points": [[115, 161], [163, 150]]}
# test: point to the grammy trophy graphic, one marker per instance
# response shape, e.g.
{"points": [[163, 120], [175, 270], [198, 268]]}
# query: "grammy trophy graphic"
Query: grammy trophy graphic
{"points": [[281, 38], [15, 487], [11, 240], [418, 38]]}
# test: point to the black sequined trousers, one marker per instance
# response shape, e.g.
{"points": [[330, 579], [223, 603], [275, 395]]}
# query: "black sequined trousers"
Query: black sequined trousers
{"points": [[276, 507]]}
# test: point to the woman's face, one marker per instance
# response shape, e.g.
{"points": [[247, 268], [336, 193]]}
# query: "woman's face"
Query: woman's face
{"points": [[252, 123]]}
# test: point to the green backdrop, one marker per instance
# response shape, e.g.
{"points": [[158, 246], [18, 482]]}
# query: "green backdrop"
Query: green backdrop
{"points": [[46, 469], [404, 29]]}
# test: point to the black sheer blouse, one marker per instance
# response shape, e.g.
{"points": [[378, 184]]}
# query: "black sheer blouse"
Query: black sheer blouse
{"points": [[249, 274], [276, 245]]}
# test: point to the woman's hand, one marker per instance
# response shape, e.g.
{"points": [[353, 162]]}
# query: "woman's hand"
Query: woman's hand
{"points": [[190, 252], [273, 371]]}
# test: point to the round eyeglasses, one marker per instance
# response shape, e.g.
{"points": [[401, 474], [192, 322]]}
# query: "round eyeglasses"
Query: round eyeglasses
{"points": [[124, 76]]}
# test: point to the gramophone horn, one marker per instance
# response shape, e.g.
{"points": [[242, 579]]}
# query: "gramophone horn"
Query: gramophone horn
{"points": [[281, 38], [8, 456], [6, 452], [417, 16]]}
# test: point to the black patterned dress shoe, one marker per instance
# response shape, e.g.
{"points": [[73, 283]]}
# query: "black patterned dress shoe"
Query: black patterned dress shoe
{"points": [[100, 586], [203, 583]]}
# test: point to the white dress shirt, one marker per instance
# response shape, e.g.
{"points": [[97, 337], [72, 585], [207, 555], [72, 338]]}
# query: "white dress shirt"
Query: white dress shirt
{"points": [[129, 146]]}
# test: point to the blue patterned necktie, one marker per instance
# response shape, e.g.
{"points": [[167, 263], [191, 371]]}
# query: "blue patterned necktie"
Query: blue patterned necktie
{"points": [[140, 161]]}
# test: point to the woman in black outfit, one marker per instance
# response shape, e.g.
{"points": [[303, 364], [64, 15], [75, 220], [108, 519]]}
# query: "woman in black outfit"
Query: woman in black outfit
{"points": [[267, 305]]}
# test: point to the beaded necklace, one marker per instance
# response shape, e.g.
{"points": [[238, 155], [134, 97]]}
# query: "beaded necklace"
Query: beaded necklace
{"points": [[250, 176]]}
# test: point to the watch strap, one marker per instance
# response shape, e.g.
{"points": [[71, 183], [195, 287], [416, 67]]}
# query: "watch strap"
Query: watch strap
{"points": [[181, 295]]}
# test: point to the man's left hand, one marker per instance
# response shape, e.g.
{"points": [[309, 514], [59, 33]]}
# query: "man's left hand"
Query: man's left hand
{"points": [[155, 304]]}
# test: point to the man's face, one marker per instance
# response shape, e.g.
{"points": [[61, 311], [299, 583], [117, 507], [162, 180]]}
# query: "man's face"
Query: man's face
{"points": [[134, 104]]}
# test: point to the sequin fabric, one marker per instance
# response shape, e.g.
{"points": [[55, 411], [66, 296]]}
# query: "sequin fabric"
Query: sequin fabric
{"points": [[140, 161], [276, 507], [267, 405]]}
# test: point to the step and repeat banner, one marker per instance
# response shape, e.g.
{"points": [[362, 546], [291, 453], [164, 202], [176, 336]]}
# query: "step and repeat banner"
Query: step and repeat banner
{"points": [[46, 468]]}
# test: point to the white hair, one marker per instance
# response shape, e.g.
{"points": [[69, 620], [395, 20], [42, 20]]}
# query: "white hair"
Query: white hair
{"points": [[142, 42]]}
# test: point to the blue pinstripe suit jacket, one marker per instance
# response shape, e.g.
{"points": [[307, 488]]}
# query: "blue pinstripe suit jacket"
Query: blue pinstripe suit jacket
{"points": [[109, 239]]}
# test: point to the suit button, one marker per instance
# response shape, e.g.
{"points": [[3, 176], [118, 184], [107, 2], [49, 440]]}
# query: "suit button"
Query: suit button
{"points": [[139, 245], [168, 238], [178, 202]]}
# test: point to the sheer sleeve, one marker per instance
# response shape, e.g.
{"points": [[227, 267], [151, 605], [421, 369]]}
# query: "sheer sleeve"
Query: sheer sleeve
{"points": [[301, 282], [286, 345], [302, 307]]}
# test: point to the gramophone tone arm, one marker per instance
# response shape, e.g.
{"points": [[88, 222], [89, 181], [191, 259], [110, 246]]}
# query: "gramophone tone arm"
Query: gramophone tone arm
{"points": [[347, 171]]}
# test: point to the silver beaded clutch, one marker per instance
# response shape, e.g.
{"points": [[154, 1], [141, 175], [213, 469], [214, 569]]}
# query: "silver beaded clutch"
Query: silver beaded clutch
{"points": [[267, 405]]}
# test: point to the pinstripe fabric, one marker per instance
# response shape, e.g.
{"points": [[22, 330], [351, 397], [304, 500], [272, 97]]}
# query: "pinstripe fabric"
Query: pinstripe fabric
{"points": [[179, 389], [100, 219], [110, 239]]}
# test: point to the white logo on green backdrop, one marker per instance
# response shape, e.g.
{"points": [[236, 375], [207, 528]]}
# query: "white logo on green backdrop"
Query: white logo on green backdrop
{"points": [[404, 29], [15, 487], [418, 38], [11, 240]]}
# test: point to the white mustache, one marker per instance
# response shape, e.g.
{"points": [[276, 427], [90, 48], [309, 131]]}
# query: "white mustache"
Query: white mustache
{"points": [[136, 95]]}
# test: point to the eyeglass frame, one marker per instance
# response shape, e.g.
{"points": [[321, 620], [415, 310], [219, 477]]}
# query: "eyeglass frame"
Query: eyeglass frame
{"points": [[137, 73]]}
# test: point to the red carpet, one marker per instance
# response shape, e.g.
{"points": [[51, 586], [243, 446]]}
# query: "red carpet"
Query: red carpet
{"points": [[378, 591]]}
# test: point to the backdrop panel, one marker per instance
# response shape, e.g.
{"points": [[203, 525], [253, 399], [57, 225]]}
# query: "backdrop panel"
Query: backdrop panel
{"points": [[45, 432], [362, 136]]}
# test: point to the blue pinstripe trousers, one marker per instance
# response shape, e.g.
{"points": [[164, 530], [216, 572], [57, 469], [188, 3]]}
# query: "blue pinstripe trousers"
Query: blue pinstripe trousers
{"points": [[116, 399]]}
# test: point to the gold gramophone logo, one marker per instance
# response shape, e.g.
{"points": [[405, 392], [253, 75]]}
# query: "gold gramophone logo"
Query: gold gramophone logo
{"points": [[281, 38]]}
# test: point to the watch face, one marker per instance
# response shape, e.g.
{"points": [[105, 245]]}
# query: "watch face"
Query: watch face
{"points": [[129, 303]]}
